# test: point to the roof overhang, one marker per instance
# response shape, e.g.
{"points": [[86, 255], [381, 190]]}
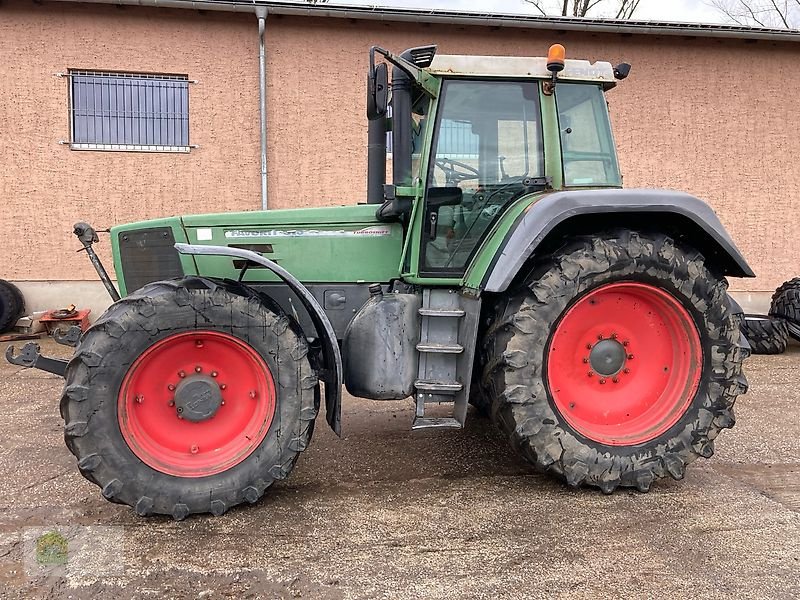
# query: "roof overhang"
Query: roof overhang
{"points": [[480, 19]]}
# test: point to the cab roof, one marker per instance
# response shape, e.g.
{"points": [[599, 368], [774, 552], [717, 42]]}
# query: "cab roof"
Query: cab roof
{"points": [[515, 66]]}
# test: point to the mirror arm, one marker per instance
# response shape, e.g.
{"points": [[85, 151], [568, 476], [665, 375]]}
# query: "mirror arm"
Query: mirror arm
{"points": [[401, 63]]}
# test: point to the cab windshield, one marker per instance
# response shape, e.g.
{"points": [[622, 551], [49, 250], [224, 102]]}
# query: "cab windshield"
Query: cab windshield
{"points": [[488, 143]]}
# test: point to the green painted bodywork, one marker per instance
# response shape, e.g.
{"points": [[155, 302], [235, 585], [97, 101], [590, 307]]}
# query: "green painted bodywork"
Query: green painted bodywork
{"points": [[317, 245], [347, 244]]}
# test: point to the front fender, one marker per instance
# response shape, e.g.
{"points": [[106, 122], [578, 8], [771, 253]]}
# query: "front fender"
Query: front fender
{"points": [[332, 357], [544, 216]]}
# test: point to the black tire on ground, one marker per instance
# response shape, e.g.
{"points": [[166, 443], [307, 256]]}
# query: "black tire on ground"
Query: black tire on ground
{"points": [[12, 305], [786, 304], [516, 345], [131, 326], [766, 335]]}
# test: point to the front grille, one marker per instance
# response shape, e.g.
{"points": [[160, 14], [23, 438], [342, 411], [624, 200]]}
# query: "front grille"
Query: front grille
{"points": [[148, 255]]}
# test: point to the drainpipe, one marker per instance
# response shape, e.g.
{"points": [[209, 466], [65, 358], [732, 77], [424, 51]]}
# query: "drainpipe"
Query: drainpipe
{"points": [[261, 14]]}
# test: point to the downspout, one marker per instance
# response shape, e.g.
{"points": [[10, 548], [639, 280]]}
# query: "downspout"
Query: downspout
{"points": [[261, 14]]}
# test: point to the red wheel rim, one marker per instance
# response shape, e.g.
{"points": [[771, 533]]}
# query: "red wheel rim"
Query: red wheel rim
{"points": [[624, 364], [215, 371]]}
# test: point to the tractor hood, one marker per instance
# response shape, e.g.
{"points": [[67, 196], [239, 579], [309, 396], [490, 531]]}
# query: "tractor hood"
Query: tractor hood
{"points": [[343, 244]]}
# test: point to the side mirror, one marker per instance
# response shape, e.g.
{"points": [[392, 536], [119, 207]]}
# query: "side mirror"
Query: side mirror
{"points": [[444, 196], [377, 92]]}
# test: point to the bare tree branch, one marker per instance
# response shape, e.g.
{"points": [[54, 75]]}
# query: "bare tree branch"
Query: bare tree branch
{"points": [[762, 13], [619, 9]]}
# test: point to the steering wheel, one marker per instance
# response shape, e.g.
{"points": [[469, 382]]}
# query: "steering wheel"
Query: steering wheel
{"points": [[452, 175]]}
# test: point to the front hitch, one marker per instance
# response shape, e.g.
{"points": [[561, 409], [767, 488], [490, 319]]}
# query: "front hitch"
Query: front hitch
{"points": [[31, 357]]}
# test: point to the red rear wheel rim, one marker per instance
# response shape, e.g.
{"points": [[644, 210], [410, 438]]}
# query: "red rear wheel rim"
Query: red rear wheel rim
{"points": [[624, 364], [215, 371]]}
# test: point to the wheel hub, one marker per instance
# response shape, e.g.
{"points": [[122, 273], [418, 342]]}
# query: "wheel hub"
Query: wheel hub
{"points": [[607, 357], [197, 398], [624, 363], [178, 420]]}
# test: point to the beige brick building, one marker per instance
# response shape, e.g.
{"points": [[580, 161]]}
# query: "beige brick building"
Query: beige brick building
{"points": [[708, 110]]}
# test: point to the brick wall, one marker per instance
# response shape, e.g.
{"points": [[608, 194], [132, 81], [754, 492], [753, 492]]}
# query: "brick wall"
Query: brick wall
{"points": [[711, 117]]}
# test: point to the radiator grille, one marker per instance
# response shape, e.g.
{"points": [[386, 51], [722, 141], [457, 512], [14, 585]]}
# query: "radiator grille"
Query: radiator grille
{"points": [[148, 255]]}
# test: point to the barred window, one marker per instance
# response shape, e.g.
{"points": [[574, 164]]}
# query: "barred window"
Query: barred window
{"points": [[129, 111]]}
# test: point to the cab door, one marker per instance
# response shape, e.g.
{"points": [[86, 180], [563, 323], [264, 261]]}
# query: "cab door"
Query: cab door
{"points": [[487, 151]]}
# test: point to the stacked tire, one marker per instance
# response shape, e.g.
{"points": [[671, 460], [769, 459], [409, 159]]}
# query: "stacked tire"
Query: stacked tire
{"points": [[766, 334], [786, 306], [770, 334], [12, 305]]}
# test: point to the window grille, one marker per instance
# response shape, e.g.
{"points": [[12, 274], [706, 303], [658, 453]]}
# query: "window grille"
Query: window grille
{"points": [[455, 139], [129, 111]]}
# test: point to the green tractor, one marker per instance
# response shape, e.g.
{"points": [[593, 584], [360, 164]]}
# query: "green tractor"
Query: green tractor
{"points": [[503, 267]]}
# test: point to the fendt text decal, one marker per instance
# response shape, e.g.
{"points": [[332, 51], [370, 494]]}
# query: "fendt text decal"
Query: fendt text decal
{"points": [[379, 230]]}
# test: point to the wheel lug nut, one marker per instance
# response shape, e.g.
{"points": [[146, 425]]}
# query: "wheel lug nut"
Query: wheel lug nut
{"points": [[222, 386], [197, 369], [588, 346], [139, 399], [171, 403], [171, 387], [252, 393], [194, 449], [630, 356], [199, 343], [625, 343], [572, 405], [214, 373], [586, 361], [602, 381], [600, 336], [626, 371], [613, 336], [222, 403], [615, 380], [181, 374], [591, 373]]}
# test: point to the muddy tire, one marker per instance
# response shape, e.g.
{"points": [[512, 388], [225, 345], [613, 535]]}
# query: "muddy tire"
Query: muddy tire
{"points": [[766, 335], [562, 351], [786, 305], [12, 305], [189, 397]]}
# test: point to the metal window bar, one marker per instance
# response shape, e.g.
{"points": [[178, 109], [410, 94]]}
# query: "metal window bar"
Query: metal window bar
{"points": [[129, 111]]}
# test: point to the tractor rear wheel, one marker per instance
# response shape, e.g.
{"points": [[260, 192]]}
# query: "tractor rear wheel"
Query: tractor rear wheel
{"points": [[617, 363], [189, 397]]}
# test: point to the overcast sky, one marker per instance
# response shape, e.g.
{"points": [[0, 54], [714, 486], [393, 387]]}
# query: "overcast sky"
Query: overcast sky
{"points": [[691, 11]]}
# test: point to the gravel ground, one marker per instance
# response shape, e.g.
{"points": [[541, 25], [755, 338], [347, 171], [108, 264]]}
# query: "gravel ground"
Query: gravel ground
{"points": [[389, 513]]}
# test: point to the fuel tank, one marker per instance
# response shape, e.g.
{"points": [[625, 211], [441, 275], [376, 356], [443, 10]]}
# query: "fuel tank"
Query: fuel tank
{"points": [[379, 347]]}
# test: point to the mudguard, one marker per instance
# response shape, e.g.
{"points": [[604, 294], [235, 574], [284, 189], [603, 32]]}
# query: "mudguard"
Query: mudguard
{"points": [[332, 357], [545, 215]]}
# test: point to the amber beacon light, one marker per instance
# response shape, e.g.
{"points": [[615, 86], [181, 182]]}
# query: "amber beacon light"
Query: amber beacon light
{"points": [[555, 58]]}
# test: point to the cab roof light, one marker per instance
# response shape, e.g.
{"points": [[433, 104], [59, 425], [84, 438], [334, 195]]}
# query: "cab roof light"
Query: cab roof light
{"points": [[555, 58]]}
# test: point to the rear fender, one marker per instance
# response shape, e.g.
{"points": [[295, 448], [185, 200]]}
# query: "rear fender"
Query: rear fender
{"points": [[332, 358], [552, 217]]}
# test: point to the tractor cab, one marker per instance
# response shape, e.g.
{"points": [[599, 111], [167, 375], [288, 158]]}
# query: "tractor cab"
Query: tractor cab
{"points": [[473, 135]]}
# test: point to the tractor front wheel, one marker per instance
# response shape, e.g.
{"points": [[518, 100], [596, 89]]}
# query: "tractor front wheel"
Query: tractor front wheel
{"points": [[189, 397], [617, 363]]}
